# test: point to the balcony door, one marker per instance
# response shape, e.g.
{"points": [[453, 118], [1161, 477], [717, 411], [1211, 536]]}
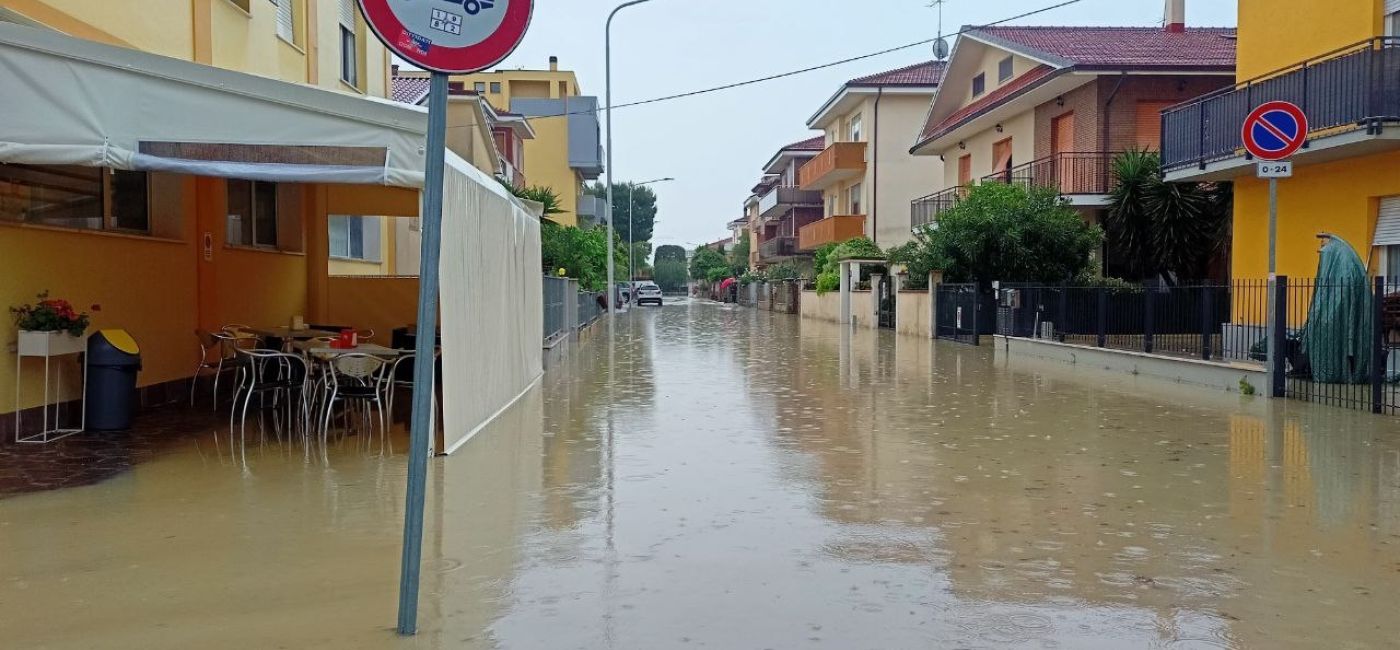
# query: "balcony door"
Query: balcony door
{"points": [[1002, 160], [1062, 142]]}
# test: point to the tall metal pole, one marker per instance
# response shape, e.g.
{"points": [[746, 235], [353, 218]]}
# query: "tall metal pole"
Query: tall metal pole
{"points": [[607, 76], [631, 205], [425, 361], [1272, 321]]}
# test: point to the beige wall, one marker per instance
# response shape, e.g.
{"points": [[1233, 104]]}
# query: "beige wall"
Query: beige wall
{"points": [[1020, 128], [912, 316], [988, 65], [827, 307], [902, 177]]}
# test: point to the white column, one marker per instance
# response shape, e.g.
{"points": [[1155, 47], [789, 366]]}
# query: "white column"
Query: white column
{"points": [[846, 286], [875, 279], [934, 279]]}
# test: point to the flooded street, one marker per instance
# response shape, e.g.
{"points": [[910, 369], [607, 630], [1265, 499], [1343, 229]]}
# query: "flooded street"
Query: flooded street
{"points": [[719, 477]]}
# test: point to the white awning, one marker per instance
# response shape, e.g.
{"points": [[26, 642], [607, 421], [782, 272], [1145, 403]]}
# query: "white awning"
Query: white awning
{"points": [[65, 100]]}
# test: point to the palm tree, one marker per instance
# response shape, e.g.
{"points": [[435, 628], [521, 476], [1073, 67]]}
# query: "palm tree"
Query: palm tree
{"points": [[1173, 230]]}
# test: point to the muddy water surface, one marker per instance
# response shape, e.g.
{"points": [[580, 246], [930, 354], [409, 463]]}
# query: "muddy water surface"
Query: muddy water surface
{"points": [[724, 478]]}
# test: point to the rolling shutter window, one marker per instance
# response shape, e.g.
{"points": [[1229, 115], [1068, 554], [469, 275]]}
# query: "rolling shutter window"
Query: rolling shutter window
{"points": [[1388, 222], [1392, 6], [347, 13], [286, 22]]}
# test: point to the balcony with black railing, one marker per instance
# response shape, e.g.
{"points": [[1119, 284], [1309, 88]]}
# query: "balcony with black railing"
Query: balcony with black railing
{"points": [[924, 211], [1353, 91], [777, 249], [1071, 173]]}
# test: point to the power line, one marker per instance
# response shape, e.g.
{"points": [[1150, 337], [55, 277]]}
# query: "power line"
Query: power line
{"points": [[793, 73]]}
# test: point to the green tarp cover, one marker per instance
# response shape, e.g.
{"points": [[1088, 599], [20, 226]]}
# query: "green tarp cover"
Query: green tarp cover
{"points": [[1338, 336]]}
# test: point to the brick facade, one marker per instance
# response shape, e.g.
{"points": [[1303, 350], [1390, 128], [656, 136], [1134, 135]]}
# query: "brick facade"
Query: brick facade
{"points": [[1087, 103]]}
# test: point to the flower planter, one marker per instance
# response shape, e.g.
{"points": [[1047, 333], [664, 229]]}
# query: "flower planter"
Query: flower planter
{"points": [[50, 344]]}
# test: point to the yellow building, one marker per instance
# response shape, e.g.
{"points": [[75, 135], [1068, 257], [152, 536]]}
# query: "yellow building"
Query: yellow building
{"points": [[866, 174], [1322, 57], [566, 150]]}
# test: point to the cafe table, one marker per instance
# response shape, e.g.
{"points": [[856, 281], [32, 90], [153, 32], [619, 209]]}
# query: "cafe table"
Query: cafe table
{"points": [[288, 334], [326, 352]]}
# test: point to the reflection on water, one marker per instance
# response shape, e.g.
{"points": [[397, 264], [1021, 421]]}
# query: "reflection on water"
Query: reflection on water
{"points": [[720, 477]]}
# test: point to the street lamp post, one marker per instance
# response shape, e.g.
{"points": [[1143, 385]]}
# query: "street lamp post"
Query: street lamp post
{"points": [[632, 205], [607, 75]]}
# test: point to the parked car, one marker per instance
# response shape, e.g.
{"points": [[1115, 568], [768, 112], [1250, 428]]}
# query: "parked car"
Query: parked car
{"points": [[648, 292]]}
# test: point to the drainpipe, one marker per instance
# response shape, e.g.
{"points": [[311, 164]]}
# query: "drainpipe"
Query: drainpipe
{"points": [[875, 153]]}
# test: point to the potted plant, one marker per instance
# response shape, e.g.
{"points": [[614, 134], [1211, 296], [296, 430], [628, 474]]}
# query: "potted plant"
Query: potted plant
{"points": [[50, 327]]}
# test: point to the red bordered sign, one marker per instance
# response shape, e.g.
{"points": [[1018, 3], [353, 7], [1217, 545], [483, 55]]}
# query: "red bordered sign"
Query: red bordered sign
{"points": [[451, 36], [1275, 131]]}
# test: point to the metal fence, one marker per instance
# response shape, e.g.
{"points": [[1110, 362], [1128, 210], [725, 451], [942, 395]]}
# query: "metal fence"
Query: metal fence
{"points": [[588, 308], [965, 312], [1338, 344], [556, 294], [1087, 172], [1208, 321], [1352, 88]]}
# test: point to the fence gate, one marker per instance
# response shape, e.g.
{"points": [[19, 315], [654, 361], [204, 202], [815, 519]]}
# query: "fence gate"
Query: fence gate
{"points": [[887, 297], [964, 313]]}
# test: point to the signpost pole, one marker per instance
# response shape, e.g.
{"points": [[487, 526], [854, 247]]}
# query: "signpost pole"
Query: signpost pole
{"points": [[1272, 322], [425, 362]]}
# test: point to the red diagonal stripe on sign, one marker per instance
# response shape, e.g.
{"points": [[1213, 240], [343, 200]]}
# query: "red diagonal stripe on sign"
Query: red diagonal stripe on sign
{"points": [[1277, 133]]}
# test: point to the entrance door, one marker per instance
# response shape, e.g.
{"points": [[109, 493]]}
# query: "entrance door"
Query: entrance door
{"points": [[1061, 144], [886, 295]]}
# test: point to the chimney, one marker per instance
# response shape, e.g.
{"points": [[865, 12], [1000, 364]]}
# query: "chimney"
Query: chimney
{"points": [[1176, 16], [553, 64]]}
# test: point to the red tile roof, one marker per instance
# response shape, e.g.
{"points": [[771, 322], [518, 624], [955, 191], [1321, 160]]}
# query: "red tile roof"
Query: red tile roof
{"points": [[815, 143], [410, 90], [1003, 93], [928, 73], [1120, 47]]}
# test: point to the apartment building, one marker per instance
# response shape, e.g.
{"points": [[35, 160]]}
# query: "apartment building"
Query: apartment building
{"points": [[566, 150], [1052, 106], [866, 173], [778, 209], [1336, 61]]}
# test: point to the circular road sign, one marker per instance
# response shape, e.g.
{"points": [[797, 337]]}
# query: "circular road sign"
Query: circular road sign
{"points": [[451, 36], [1275, 131]]}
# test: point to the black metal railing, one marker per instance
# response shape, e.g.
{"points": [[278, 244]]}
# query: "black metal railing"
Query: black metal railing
{"points": [[965, 312], [1208, 321], [556, 293], [588, 308], [1338, 343], [1084, 172], [1357, 87], [924, 211], [777, 248]]}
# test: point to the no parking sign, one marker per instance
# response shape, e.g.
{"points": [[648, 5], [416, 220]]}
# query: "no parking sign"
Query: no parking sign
{"points": [[1275, 131], [451, 36]]}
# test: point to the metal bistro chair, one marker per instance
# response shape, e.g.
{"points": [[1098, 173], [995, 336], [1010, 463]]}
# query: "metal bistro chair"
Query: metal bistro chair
{"points": [[211, 344], [354, 378], [265, 373], [401, 376]]}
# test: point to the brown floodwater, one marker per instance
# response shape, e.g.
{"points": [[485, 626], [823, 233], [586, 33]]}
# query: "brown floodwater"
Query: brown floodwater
{"points": [[717, 477]]}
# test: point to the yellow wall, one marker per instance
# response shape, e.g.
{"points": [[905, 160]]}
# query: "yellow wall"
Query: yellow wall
{"points": [[1339, 197], [1277, 33], [380, 304], [538, 84], [220, 33]]}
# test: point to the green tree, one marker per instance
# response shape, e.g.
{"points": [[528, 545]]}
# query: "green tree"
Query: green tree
{"points": [[632, 204], [1160, 228], [537, 193], [583, 254], [739, 255], [706, 262], [671, 274], [670, 252], [1007, 232]]}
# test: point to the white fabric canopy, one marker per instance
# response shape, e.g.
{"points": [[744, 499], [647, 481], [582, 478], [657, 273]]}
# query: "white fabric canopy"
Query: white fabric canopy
{"points": [[65, 100]]}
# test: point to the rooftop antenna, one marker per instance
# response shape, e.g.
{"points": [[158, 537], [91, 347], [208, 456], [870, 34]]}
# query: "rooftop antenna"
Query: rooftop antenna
{"points": [[940, 45]]}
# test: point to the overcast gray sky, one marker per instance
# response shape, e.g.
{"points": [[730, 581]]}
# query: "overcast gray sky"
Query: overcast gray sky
{"points": [[714, 145]]}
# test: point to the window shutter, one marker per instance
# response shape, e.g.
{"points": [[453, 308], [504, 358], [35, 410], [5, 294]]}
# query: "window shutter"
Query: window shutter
{"points": [[347, 13], [286, 21], [1388, 222], [1392, 6]]}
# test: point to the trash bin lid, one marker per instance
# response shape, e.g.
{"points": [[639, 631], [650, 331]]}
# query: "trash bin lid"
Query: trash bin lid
{"points": [[120, 340]]}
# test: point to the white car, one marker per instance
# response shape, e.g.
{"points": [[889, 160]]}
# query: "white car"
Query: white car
{"points": [[648, 293]]}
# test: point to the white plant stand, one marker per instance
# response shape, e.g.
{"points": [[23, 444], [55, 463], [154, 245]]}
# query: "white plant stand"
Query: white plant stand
{"points": [[48, 345]]}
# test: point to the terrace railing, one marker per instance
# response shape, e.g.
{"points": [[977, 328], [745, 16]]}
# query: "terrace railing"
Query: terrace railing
{"points": [[924, 211], [1356, 87], [1069, 173]]}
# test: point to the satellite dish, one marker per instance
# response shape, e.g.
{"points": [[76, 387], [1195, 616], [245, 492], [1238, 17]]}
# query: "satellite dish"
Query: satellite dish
{"points": [[941, 49]]}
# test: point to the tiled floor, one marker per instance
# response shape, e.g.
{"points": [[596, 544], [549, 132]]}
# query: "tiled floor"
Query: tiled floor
{"points": [[92, 457]]}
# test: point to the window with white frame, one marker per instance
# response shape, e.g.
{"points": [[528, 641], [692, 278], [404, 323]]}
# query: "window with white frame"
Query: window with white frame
{"points": [[1392, 17], [251, 214], [349, 49], [1387, 237], [355, 238], [857, 193], [1005, 69], [479, 87], [856, 128]]}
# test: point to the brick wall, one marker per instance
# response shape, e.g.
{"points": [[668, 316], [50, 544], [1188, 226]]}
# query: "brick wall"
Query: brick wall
{"points": [[1089, 118]]}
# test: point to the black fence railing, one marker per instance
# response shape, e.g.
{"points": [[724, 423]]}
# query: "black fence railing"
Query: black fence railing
{"points": [[778, 248], [556, 295], [1339, 344], [1069, 173], [1200, 321], [924, 211], [589, 308], [1353, 88], [965, 312]]}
